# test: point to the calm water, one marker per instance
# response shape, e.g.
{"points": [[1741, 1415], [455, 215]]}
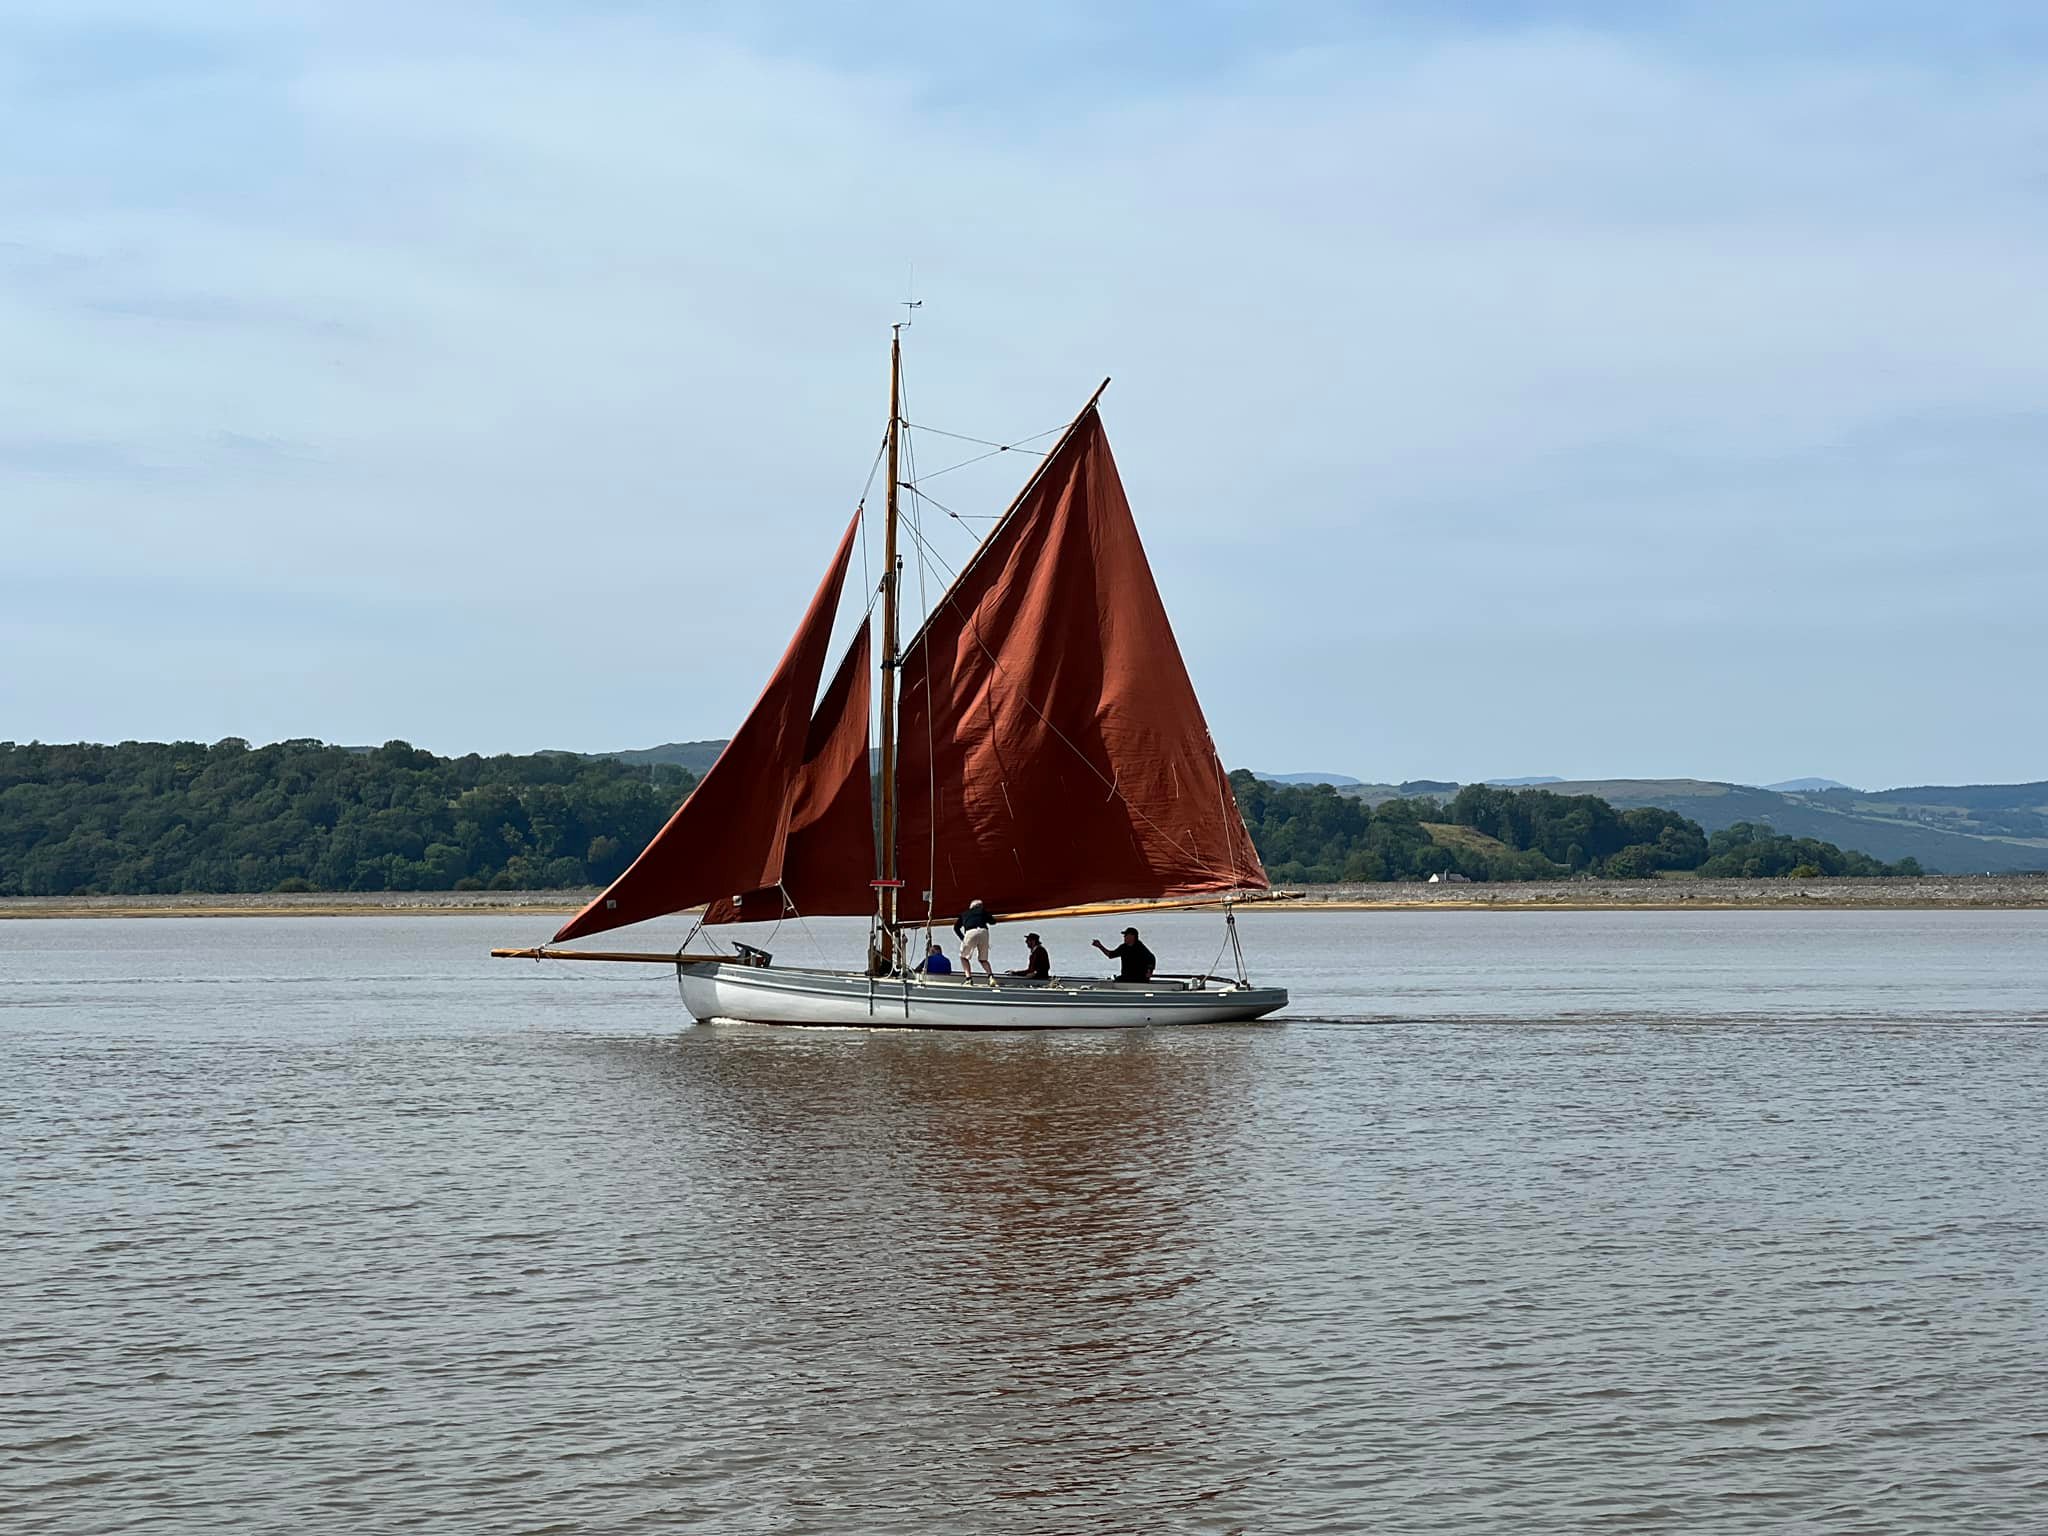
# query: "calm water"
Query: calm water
{"points": [[1554, 1222]]}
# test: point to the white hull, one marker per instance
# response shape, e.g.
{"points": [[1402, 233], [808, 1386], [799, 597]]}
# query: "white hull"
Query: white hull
{"points": [[728, 991]]}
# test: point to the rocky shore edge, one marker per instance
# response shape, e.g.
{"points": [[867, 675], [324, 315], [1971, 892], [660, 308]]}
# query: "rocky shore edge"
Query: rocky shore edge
{"points": [[1923, 893]]}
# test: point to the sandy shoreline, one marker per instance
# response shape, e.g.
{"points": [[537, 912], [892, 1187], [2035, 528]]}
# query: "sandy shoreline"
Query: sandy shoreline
{"points": [[299, 904], [1927, 893]]}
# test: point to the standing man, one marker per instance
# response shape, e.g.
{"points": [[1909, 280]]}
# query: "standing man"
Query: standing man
{"points": [[971, 928], [1039, 966], [1135, 961]]}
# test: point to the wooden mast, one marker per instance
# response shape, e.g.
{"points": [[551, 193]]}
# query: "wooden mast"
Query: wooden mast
{"points": [[890, 564]]}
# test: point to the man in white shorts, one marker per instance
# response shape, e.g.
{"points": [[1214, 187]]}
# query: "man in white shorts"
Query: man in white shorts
{"points": [[971, 928]]}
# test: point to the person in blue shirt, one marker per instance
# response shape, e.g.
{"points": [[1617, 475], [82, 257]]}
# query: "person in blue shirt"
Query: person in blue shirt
{"points": [[935, 962]]}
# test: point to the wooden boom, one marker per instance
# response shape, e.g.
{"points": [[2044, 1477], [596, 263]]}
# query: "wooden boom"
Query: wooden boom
{"points": [[1125, 908]]}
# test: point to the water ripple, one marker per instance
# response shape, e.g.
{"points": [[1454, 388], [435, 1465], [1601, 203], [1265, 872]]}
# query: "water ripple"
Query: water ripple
{"points": [[1664, 1223]]}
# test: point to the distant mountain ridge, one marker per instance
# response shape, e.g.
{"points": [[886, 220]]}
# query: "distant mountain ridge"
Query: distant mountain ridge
{"points": [[1962, 829], [1949, 828], [697, 756]]}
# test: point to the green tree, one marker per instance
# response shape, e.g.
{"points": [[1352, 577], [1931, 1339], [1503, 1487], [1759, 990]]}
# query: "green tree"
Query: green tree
{"points": [[184, 817]]}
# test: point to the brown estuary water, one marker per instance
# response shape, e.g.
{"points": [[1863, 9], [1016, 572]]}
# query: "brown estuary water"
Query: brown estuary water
{"points": [[1514, 1222]]}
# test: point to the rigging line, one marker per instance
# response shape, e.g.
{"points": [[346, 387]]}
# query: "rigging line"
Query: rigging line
{"points": [[1024, 491], [867, 574], [1115, 792], [975, 460], [1219, 950], [861, 507], [790, 906], [694, 931], [924, 603], [906, 446], [931, 767], [987, 442], [915, 523], [1223, 794], [994, 449], [958, 517]]}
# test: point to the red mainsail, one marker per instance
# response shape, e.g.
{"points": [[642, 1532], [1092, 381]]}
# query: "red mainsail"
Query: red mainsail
{"points": [[828, 859], [1053, 751], [730, 835]]}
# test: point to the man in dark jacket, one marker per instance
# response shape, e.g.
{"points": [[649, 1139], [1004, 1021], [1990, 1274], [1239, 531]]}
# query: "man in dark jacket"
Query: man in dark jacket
{"points": [[971, 928], [1040, 966], [1134, 960]]}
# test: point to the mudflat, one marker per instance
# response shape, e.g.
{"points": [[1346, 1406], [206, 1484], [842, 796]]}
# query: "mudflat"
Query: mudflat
{"points": [[296, 904], [1922, 892], [1925, 892]]}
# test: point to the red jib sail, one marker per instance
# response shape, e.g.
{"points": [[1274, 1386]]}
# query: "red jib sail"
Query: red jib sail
{"points": [[729, 835], [829, 857], [1053, 749]]}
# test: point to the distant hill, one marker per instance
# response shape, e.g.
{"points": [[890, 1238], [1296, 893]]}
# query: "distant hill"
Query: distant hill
{"points": [[1986, 797], [1998, 829], [697, 756], [2013, 811], [168, 817], [1312, 832], [1949, 828], [1413, 789]]}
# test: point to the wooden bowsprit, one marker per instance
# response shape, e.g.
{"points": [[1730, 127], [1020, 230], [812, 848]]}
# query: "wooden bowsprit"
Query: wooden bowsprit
{"points": [[622, 956]]}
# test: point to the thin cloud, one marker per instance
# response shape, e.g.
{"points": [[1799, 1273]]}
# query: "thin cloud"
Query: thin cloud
{"points": [[1442, 350]]}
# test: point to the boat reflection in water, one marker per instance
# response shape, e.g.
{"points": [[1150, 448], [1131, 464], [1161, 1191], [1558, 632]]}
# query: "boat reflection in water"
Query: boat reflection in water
{"points": [[970, 1265]]}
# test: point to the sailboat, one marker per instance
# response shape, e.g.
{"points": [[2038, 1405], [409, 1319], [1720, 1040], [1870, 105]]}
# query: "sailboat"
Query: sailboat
{"points": [[1042, 751]]}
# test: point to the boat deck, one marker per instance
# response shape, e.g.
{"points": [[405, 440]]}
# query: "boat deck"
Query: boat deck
{"points": [[726, 990]]}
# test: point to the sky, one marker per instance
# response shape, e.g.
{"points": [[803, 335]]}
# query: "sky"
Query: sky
{"points": [[1501, 388]]}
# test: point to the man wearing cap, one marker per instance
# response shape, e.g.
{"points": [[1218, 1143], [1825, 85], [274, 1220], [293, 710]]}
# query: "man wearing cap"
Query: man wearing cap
{"points": [[971, 929], [1040, 968], [1135, 960]]}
